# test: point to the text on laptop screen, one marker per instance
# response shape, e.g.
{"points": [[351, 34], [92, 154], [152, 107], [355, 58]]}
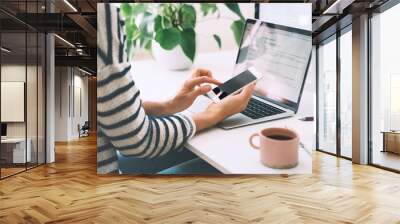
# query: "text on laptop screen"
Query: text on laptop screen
{"points": [[281, 54]]}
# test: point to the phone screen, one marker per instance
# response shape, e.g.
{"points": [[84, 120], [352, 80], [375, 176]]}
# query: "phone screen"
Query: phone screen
{"points": [[234, 84]]}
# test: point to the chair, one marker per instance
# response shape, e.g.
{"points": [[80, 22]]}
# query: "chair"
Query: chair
{"points": [[84, 130]]}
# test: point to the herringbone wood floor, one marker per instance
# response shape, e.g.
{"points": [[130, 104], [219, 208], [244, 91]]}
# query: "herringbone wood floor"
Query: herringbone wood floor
{"points": [[70, 191]]}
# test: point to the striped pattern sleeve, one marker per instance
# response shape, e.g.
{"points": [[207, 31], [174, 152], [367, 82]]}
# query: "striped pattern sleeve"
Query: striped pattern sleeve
{"points": [[107, 161], [123, 123]]}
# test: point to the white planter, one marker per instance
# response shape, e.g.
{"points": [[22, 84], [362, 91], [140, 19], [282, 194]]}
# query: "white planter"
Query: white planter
{"points": [[173, 59]]}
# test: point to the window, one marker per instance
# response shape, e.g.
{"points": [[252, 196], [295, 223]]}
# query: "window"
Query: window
{"points": [[22, 78], [327, 96], [335, 94], [385, 89]]}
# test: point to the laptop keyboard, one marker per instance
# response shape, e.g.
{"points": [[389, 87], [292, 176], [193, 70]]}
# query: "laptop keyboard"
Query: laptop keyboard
{"points": [[257, 109]]}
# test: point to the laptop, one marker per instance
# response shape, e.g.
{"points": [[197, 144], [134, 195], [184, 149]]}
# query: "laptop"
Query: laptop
{"points": [[282, 55]]}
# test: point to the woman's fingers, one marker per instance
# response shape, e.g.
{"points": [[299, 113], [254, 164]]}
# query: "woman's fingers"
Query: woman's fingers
{"points": [[248, 91], [191, 83], [201, 90], [202, 72], [246, 94]]}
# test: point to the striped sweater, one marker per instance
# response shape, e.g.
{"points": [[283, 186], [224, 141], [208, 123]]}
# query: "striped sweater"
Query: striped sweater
{"points": [[123, 124]]}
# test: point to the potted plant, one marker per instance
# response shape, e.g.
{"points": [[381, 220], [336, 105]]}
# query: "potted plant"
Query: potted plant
{"points": [[168, 29]]}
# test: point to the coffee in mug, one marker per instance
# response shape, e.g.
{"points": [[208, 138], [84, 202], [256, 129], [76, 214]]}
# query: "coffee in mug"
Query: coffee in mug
{"points": [[279, 147]]}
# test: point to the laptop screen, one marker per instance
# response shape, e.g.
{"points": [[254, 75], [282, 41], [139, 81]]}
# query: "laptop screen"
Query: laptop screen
{"points": [[281, 54]]}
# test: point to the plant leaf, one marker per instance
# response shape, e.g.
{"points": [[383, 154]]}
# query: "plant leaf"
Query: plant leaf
{"points": [[188, 43], [144, 38], [129, 47], [218, 40], [147, 46], [126, 10], [161, 22], [131, 30], [168, 38], [168, 9], [237, 28], [187, 16], [165, 22], [138, 8], [207, 8], [157, 23], [234, 7]]}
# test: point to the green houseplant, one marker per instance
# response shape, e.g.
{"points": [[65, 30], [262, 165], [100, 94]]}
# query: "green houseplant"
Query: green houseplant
{"points": [[171, 26]]}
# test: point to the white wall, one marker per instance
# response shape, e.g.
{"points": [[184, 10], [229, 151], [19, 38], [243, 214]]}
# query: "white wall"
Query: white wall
{"points": [[70, 83], [61, 103], [79, 117]]}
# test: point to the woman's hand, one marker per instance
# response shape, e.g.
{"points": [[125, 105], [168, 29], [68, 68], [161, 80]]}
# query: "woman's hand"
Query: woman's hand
{"points": [[217, 112], [195, 86]]}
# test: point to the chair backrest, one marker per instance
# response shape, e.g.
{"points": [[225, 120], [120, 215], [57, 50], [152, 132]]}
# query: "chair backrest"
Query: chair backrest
{"points": [[86, 124]]}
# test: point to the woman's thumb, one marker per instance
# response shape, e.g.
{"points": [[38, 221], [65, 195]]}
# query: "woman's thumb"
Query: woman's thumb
{"points": [[248, 90]]}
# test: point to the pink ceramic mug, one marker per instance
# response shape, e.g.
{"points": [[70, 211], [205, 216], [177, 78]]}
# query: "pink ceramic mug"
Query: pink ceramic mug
{"points": [[279, 147]]}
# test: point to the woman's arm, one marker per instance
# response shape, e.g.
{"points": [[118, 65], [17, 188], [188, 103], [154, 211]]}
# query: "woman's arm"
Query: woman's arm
{"points": [[122, 120], [125, 123], [157, 108]]}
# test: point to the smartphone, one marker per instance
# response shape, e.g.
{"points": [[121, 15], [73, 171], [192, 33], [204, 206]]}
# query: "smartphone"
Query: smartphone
{"points": [[234, 85]]}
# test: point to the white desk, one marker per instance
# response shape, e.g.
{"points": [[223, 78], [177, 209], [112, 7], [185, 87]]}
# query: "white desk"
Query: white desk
{"points": [[228, 151], [18, 154]]}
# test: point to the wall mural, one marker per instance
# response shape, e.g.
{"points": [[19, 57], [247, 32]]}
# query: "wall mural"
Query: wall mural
{"points": [[204, 88]]}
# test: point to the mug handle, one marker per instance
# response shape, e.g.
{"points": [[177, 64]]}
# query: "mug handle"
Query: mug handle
{"points": [[251, 141]]}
